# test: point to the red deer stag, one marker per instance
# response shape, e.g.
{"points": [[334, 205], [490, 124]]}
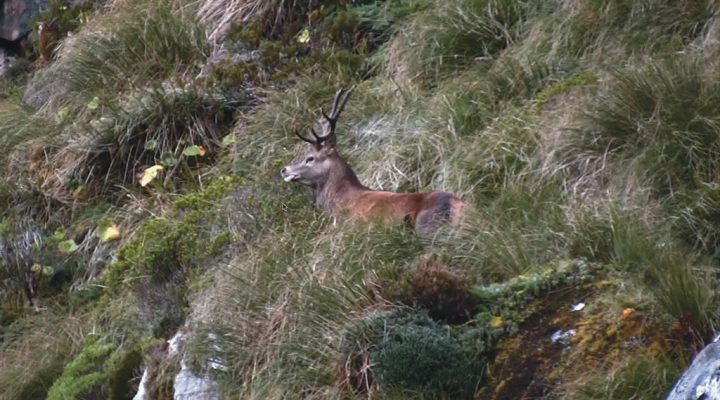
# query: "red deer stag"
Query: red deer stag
{"points": [[338, 190]]}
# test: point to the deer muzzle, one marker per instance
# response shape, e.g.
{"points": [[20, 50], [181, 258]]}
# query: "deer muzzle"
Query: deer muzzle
{"points": [[288, 176]]}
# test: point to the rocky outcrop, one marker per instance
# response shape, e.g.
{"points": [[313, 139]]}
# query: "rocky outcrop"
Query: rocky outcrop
{"points": [[702, 380], [16, 16], [188, 385], [6, 61]]}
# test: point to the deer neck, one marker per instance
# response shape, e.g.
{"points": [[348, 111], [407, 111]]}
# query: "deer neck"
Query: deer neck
{"points": [[340, 188]]}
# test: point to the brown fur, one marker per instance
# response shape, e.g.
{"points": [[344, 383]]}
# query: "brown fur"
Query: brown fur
{"points": [[338, 190]]}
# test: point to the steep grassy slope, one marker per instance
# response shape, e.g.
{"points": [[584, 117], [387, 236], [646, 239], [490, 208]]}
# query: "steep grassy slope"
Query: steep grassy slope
{"points": [[141, 196]]}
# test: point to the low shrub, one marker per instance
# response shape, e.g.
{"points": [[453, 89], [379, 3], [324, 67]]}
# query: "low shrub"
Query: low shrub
{"points": [[102, 369], [410, 353], [82, 376]]}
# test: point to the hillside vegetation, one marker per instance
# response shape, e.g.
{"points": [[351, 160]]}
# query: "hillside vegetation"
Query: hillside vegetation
{"points": [[141, 196]]}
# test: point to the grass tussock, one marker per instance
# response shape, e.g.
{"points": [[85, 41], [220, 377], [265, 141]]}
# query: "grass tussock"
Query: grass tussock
{"points": [[153, 44], [156, 126], [282, 323], [660, 121], [35, 350], [617, 29], [665, 113], [273, 16], [19, 126], [447, 37], [645, 377]]}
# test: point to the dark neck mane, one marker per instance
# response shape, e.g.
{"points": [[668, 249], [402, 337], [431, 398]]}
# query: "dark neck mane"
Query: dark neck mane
{"points": [[340, 186]]}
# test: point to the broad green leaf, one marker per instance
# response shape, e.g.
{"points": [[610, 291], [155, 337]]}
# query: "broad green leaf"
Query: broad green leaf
{"points": [[94, 103], [48, 270], [194, 151], [58, 235], [5, 227], [150, 173], [168, 160], [67, 246], [151, 145], [228, 140]]}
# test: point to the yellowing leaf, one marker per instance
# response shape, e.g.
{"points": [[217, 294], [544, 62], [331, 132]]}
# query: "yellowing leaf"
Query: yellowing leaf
{"points": [[108, 232], [304, 36], [628, 312], [496, 322], [63, 113], [80, 192], [58, 235], [149, 174], [36, 267]]}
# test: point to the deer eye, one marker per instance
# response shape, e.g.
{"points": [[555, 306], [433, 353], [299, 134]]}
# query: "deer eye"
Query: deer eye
{"points": [[310, 159]]}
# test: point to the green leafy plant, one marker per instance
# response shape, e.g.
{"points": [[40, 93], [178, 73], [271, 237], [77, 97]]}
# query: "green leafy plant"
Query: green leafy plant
{"points": [[411, 353]]}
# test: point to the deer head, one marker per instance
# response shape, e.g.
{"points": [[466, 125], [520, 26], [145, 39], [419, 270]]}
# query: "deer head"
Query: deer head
{"points": [[319, 163]]}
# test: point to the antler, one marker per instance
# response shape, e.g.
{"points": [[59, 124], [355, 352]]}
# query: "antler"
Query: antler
{"points": [[317, 142], [328, 136], [341, 98]]}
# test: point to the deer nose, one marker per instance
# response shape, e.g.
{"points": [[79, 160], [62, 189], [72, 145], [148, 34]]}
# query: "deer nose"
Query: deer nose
{"points": [[284, 170]]}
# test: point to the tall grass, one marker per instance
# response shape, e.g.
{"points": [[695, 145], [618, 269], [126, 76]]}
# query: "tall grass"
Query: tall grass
{"points": [[453, 35], [35, 349], [679, 280], [19, 125], [643, 377], [220, 15], [666, 115], [612, 30], [520, 230], [285, 340], [155, 42], [662, 121], [154, 126]]}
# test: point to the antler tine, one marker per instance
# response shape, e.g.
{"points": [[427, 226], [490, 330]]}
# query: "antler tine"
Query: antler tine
{"points": [[341, 98], [318, 138], [340, 102], [336, 100], [303, 138], [322, 111]]}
